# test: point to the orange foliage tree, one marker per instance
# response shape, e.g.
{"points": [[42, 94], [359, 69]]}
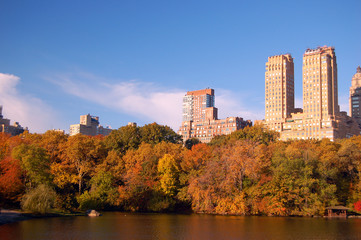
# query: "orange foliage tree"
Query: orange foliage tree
{"points": [[11, 182]]}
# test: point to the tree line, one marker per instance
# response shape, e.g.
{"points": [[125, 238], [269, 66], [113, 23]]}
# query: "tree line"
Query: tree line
{"points": [[149, 169]]}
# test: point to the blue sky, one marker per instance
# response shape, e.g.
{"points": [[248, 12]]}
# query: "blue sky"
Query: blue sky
{"points": [[132, 61]]}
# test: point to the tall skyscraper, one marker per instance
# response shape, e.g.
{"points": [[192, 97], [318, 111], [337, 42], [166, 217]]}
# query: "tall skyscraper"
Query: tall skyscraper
{"points": [[195, 104], [279, 90], [355, 96], [320, 98], [200, 117], [320, 116]]}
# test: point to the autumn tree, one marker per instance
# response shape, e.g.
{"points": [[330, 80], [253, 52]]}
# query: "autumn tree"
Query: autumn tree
{"points": [[142, 188], [52, 141], [80, 155], [7, 144], [296, 186], [139, 178], [11, 182], [196, 158], [189, 143], [169, 175], [4, 145], [219, 188]]}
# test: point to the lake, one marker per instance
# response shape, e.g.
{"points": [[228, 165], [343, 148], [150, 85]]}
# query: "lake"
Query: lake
{"points": [[117, 225]]}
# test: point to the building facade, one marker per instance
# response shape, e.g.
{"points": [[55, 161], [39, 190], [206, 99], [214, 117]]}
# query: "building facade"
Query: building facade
{"points": [[279, 90], [320, 116], [200, 117], [320, 98], [5, 126], [355, 96], [89, 125], [195, 104]]}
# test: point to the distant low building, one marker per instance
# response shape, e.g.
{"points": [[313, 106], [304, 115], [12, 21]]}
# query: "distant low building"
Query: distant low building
{"points": [[5, 126], [133, 124], [105, 131], [200, 117], [58, 130], [89, 125]]}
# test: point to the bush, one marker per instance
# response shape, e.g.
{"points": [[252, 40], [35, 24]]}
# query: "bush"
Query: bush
{"points": [[89, 201], [39, 200]]}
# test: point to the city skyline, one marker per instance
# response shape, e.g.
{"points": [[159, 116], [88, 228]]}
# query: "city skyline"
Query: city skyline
{"points": [[320, 117], [132, 62]]}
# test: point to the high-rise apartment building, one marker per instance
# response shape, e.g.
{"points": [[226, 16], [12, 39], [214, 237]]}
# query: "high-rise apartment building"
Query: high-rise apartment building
{"points": [[320, 116], [89, 125], [355, 96], [195, 104], [320, 99], [200, 117], [279, 90]]}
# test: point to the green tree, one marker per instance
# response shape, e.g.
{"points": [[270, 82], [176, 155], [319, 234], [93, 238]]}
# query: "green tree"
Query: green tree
{"points": [[102, 195], [114, 164], [126, 137], [35, 162], [348, 165], [154, 133], [296, 186], [256, 133]]}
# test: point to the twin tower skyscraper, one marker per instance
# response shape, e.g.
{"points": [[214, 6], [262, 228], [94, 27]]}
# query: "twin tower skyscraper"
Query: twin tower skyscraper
{"points": [[320, 116]]}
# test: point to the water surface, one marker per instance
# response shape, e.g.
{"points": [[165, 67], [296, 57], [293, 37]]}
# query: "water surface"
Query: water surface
{"points": [[116, 225]]}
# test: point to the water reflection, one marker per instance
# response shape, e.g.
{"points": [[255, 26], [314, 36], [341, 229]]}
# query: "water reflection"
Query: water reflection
{"points": [[165, 226]]}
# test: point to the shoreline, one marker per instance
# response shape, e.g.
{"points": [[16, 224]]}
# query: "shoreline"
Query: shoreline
{"points": [[11, 216]]}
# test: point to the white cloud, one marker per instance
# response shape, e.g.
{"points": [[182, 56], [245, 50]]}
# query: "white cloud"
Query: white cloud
{"points": [[29, 111], [131, 97], [231, 104], [146, 100]]}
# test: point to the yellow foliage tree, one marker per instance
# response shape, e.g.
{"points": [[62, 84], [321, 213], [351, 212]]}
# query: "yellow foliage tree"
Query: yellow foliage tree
{"points": [[169, 174]]}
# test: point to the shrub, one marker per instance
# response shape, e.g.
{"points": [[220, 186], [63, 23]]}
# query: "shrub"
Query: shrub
{"points": [[39, 200]]}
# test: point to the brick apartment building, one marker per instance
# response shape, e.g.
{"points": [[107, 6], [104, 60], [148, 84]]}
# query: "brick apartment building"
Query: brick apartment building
{"points": [[200, 117]]}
